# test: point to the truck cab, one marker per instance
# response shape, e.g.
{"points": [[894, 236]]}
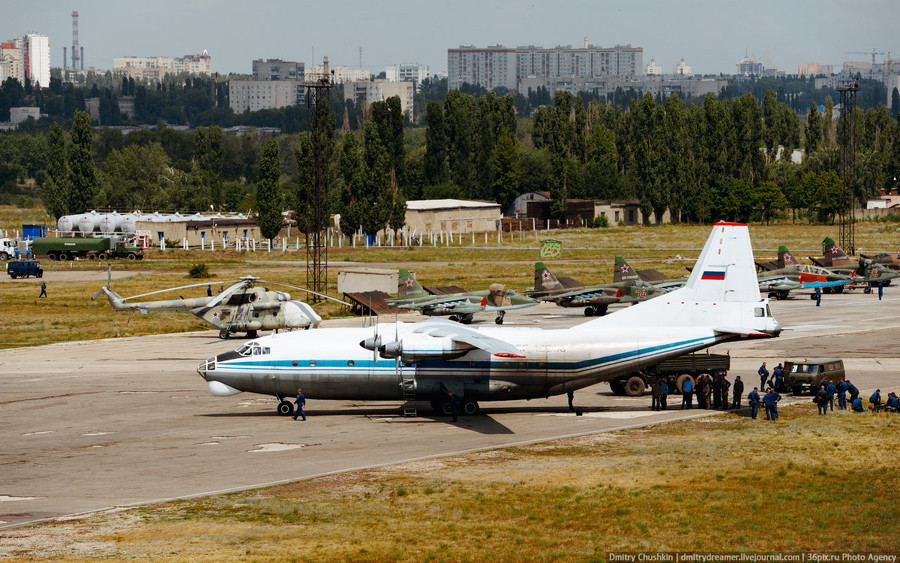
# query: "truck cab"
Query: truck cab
{"points": [[7, 248], [24, 269]]}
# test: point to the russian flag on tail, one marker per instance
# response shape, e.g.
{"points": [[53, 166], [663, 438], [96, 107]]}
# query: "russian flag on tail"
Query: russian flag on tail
{"points": [[713, 275]]}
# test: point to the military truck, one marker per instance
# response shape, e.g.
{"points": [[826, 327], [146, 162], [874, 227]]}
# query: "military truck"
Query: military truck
{"points": [[675, 372], [100, 248], [806, 374], [24, 269]]}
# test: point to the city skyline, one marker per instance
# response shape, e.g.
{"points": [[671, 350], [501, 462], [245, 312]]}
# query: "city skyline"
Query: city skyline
{"points": [[710, 36]]}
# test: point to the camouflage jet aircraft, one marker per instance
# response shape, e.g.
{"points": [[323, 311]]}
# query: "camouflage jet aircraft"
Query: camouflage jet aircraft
{"points": [[835, 259], [780, 277], [460, 306], [626, 288]]}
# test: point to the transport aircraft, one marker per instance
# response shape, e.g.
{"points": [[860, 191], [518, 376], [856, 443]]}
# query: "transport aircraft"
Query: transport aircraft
{"points": [[459, 306], [246, 306], [627, 287], [426, 360]]}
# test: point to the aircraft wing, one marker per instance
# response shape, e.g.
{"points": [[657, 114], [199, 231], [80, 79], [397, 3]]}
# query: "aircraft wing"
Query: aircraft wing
{"points": [[806, 285], [597, 292], [458, 333]]}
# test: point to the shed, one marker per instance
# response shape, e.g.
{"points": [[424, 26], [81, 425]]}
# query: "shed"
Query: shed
{"points": [[452, 215]]}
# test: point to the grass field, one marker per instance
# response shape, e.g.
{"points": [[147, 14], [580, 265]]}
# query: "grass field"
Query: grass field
{"points": [[588, 255], [719, 484]]}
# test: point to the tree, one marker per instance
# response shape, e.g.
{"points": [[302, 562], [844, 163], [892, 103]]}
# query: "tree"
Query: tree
{"points": [[82, 174], [56, 187], [895, 103], [769, 197], [505, 165], [459, 111], [376, 193], [134, 177], [214, 161], [813, 128], [352, 178], [268, 191], [436, 171]]}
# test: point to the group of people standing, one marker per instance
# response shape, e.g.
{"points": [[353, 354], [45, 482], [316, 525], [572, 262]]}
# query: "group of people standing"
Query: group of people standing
{"points": [[712, 392]]}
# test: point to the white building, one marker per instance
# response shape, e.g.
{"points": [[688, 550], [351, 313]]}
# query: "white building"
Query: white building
{"points": [[407, 72], [12, 61], [154, 69], [380, 90], [255, 95], [37, 59], [340, 74], [682, 69], [653, 69]]}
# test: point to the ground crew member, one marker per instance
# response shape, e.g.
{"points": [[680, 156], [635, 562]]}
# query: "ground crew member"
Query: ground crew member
{"points": [[571, 396], [842, 394], [822, 399], [854, 392], [880, 289], [771, 401], [300, 401], [707, 389], [856, 405], [818, 296], [43, 290], [717, 392], [687, 396], [763, 375], [700, 387], [17, 252], [209, 291], [737, 392], [875, 399], [656, 393], [778, 374], [893, 403], [454, 405], [664, 388], [753, 397], [831, 390]]}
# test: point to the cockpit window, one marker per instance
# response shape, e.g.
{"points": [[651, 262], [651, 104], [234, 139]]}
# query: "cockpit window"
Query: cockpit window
{"points": [[259, 350], [244, 350]]}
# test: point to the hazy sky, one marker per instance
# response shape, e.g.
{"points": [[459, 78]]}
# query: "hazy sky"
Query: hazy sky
{"points": [[710, 35]]}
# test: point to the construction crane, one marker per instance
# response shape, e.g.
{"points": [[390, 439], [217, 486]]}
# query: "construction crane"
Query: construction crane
{"points": [[873, 52]]}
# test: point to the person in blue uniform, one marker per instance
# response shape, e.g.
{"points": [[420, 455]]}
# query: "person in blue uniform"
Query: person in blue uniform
{"points": [[43, 289], [753, 397], [818, 296], [842, 394], [778, 374], [893, 403], [664, 388], [830, 389], [763, 375], [770, 400], [822, 399], [875, 399], [856, 405], [687, 395], [300, 401], [880, 290]]}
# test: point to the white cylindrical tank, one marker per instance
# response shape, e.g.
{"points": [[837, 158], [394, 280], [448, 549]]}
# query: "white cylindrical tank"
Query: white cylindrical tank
{"points": [[129, 223], [68, 223], [110, 223], [89, 222]]}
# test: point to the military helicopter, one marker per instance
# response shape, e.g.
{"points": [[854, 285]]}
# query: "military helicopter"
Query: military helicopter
{"points": [[246, 306]]}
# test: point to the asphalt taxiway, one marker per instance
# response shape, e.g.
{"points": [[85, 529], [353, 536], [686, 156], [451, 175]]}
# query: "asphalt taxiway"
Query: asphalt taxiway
{"points": [[92, 425]]}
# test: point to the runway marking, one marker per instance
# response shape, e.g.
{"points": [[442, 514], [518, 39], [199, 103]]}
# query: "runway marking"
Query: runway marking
{"points": [[229, 437], [275, 447], [38, 432], [96, 433], [7, 498], [210, 444]]}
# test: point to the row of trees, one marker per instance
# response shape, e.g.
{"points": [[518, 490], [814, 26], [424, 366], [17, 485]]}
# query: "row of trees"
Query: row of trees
{"points": [[726, 159]]}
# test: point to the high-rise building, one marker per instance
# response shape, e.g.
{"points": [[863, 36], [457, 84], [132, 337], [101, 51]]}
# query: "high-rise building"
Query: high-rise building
{"points": [[12, 64], [653, 69], [505, 67], [815, 69], [407, 72], [750, 67], [682, 69], [380, 90], [255, 95], [277, 69], [153, 69], [36, 50]]}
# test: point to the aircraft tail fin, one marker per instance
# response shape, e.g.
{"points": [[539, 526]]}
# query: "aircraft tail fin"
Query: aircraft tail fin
{"points": [[830, 249], [544, 280], [115, 300], [722, 293], [408, 286], [623, 272], [785, 258]]}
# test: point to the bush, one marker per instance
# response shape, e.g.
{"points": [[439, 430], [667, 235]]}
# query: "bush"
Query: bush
{"points": [[199, 271], [600, 221]]}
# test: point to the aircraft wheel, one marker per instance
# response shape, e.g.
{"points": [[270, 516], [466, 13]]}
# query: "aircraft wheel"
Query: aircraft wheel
{"points": [[601, 309], [252, 334], [839, 289], [617, 387], [634, 386], [285, 408], [224, 334], [470, 408], [454, 318], [442, 407], [679, 383], [588, 311], [466, 319], [499, 320]]}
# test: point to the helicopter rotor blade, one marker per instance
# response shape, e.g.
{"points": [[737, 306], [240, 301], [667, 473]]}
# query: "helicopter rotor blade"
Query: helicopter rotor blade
{"points": [[228, 291], [175, 289], [304, 289]]}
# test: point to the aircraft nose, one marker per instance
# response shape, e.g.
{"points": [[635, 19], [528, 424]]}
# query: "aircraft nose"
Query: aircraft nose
{"points": [[205, 367]]}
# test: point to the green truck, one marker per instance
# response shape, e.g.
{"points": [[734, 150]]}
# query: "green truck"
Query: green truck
{"points": [[675, 372], [69, 248]]}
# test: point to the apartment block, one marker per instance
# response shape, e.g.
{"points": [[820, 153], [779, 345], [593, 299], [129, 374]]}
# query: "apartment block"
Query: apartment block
{"points": [[277, 69], [380, 90], [255, 95], [154, 69]]}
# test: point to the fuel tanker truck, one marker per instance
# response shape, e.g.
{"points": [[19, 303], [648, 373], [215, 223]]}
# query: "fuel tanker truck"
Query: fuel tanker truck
{"points": [[100, 248]]}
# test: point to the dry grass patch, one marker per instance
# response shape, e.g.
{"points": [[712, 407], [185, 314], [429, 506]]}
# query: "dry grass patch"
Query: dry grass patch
{"points": [[805, 483]]}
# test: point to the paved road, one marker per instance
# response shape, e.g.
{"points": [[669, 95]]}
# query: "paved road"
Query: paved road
{"points": [[91, 425]]}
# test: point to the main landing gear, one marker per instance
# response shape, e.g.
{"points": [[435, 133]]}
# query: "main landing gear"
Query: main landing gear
{"points": [[284, 408], [499, 319], [598, 310], [466, 406]]}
